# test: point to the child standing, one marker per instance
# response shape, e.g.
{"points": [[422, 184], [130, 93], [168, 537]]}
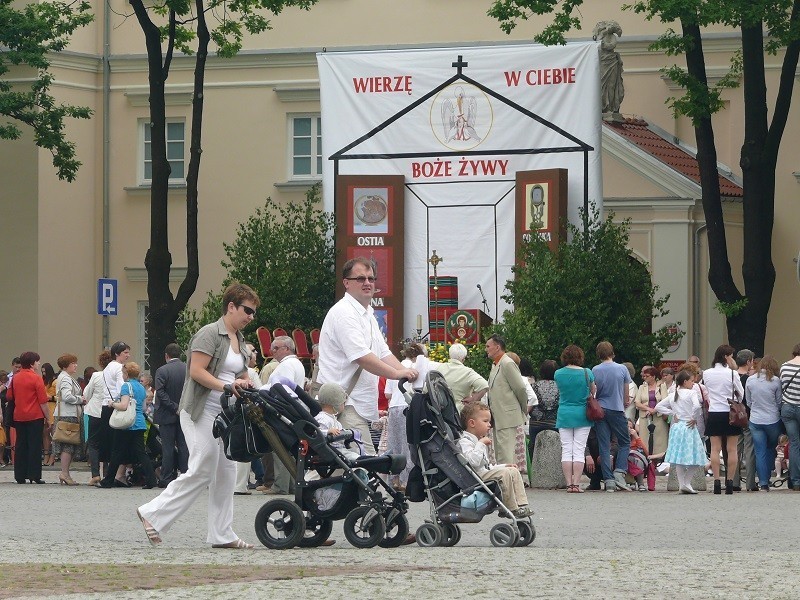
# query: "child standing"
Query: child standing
{"points": [[685, 448], [476, 418]]}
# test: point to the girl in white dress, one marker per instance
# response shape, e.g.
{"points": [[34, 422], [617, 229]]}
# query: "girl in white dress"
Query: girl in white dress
{"points": [[685, 449]]}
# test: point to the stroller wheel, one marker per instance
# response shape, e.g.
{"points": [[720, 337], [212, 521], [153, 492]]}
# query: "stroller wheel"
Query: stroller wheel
{"points": [[429, 535], [503, 535], [452, 534], [280, 524], [317, 531], [364, 527], [396, 532], [527, 533]]}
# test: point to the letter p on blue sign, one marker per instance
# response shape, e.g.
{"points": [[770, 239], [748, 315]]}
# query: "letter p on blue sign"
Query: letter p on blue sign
{"points": [[107, 297]]}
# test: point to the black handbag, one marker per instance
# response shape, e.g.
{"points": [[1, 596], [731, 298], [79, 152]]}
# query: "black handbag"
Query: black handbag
{"points": [[242, 439]]}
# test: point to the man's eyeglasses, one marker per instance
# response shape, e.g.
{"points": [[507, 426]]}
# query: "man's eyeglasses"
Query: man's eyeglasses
{"points": [[362, 279], [247, 310]]}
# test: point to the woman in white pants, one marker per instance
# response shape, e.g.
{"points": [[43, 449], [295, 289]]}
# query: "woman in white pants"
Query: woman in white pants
{"points": [[218, 356]]}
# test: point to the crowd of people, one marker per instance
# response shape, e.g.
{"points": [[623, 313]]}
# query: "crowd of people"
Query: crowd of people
{"points": [[681, 418]]}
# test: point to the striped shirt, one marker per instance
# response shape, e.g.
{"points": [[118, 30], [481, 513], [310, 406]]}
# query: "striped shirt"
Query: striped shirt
{"points": [[790, 382]]}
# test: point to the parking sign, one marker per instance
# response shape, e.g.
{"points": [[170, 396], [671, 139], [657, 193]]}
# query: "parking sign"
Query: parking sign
{"points": [[107, 297]]}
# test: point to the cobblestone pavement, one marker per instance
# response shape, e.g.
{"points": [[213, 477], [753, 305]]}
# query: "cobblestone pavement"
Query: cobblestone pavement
{"points": [[621, 545]]}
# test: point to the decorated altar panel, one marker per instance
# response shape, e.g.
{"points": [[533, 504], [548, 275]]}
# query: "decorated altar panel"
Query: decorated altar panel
{"points": [[457, 125]]}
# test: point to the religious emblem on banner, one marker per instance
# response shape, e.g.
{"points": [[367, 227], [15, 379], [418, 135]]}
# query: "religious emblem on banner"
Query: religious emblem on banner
{"points": [[461, 325], [461, 116]]}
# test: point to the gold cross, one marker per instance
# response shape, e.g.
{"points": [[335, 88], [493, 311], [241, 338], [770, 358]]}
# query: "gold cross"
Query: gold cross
{"points": [[435, 260]]}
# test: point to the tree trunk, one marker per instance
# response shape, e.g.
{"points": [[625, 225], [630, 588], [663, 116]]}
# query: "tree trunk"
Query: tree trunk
{"points": [[158, 259], [748, 329], [719, 272], [189, 284]]}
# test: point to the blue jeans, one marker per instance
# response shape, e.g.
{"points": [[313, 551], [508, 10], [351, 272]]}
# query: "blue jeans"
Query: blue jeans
{"points": [[790, 415], [765, 439], [615, 422]]}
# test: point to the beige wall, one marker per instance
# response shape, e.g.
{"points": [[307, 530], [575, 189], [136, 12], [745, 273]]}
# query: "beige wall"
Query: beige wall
{"points": [[245, 156], [19, 233]]}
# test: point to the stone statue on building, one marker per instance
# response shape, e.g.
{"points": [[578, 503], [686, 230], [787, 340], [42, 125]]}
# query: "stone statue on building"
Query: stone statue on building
{"points": [[611, 89]]}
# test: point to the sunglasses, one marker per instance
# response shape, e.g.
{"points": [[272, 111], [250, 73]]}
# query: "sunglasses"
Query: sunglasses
{"points": [[247, 310], [362, 279]]}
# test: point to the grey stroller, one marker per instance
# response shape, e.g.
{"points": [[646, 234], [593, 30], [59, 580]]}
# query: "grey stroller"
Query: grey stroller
{"points": [[441, 475]]}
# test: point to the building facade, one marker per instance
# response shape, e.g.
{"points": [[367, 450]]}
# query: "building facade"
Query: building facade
{"points": [[262, 138]]}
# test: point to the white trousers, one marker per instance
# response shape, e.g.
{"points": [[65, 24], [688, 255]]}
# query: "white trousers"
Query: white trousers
{"points": [[573, 443], [242, 476], [208, 468]]}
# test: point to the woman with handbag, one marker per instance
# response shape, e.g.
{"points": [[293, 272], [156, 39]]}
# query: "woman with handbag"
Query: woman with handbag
{"points": [[790, 413], [30, 414], [67, 416], [575, 384], [129, 443], [723, 386], [651, 392], [218, 357], [94, 397]]}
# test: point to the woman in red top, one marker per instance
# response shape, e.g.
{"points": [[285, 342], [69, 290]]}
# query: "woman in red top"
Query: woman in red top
{"points": [[30, 412]]}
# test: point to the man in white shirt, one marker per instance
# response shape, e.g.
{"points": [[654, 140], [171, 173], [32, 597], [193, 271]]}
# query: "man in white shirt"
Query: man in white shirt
{"points": [[289, 369], [353, 353], [289, 366]]}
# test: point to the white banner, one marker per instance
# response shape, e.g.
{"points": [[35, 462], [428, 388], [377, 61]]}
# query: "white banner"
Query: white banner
{"points": [[458, 123]]}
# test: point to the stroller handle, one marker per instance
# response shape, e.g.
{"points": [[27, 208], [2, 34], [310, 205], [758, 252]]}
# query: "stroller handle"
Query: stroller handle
{"points": [[401, 384]]}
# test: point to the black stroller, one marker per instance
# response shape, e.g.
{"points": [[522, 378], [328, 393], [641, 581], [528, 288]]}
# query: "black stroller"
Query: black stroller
{"points": [[338, 488], [442, 475]]}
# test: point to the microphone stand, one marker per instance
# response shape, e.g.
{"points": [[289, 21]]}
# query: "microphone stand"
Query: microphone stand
{"points": [[485, 303]]}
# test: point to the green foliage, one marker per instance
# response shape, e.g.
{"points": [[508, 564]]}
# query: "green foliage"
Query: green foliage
{"points": [[730, 309], [591, 290], [27, 36], [477, 359], [286, 254]]}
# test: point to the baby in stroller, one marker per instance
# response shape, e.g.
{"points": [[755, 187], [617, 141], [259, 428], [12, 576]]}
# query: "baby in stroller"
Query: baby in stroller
{"points": [[476, 419], [331, 400], [442, 475], [373, 513]]}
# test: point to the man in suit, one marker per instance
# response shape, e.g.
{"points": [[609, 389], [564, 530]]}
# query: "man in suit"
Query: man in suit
{"points": [[169, 385], [508, 400]]}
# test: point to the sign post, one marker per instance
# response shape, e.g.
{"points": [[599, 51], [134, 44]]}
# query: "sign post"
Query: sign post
{"points": [[107, 297]]}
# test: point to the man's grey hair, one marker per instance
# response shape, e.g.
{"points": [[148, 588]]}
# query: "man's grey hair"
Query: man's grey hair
{"points": [[285, 340], [744, 356], [458, 352]]}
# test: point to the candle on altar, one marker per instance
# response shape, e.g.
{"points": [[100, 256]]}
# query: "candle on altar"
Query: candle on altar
{"points": [[419, 322]]}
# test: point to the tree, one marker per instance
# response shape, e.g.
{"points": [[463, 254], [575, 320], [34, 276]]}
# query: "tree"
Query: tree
{"points": [[746, 314], [287, 255], [178, 23], [27, 37], [591, 289]]}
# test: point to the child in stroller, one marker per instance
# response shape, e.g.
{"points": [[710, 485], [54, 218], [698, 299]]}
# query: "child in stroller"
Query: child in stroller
{"points": [[476, 419], [443, 475], [283, 418]]}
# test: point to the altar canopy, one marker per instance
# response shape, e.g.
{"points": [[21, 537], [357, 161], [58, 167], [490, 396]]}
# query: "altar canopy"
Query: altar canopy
{"points": [[458, 124]]}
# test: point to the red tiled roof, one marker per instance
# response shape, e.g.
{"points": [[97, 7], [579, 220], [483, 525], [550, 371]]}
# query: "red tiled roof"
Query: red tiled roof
{"points": [[638, 133]]}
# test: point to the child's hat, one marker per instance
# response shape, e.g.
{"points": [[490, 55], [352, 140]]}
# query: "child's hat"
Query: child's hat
{"points": [[333, 394]]}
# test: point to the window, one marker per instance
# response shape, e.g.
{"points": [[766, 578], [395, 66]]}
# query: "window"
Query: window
{"points": [[305, 132], [176, 151]]}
